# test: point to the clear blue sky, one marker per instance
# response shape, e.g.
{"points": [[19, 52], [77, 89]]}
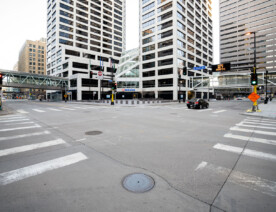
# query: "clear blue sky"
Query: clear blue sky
{"points": [[27, 21]]}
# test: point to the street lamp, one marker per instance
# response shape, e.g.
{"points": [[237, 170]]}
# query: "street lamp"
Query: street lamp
{"points": [[112, 89], [255, 104]]}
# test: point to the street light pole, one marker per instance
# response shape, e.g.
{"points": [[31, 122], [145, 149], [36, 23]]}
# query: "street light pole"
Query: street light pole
{"points": [[112, 89]]}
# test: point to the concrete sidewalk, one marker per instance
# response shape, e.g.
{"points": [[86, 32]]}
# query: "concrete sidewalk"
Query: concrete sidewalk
{"points": [[267, 110]]}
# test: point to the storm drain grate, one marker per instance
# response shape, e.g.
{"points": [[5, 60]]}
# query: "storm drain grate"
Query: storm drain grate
{"points": [[93, 133], [138, 183]]}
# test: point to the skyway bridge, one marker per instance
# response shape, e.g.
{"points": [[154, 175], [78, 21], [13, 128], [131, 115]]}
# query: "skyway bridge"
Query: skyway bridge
{"points": [[18, 79]]}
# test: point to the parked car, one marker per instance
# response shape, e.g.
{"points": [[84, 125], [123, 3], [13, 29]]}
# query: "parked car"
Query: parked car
{"points": [[197, 103]]}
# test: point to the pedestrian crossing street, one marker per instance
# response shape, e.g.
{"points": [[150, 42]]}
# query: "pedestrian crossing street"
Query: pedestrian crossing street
{"points": [[23, 139], [262, 127]]}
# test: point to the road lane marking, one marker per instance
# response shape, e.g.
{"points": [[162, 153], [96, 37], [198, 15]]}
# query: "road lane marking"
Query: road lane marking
{"points": [[204, 110], [220, 111], [12, 117], [25, 148], [40, 111], [39, 168], [242, 179], [67, 108], [17, 120], [201, 165], [31, 122], [24, 135], [255, 126], [22, 111], [53, 109], [252, 131], [246, 152], [259, 123], [79, 107], [261, 120], [83, 139], [246, 138], [20, 128]]}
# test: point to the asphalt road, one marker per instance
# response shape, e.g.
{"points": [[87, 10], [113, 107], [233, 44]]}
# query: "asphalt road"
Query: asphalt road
{"points": [[213, 159]]}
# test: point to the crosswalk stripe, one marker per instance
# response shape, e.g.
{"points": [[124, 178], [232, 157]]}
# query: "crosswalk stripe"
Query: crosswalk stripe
{"points": [[252, 131], [79, 107], [246, 138], [24, 135], [20, 128], [30, 147], [242, 179], [39, 168], [261, 120], [255, 126], [12, 117], [17, 120], [259, 123], [22, 111], [204, 110], [220, 111], [30, 122], [40, 111], [53, 109], [247, 152], [66, 108]]}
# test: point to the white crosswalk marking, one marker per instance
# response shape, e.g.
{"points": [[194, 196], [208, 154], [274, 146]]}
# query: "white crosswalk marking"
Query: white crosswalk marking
{"points": [[16, 120], [37, 110], [53, 109], [242, 179], [36, 169], [256, 126], [20, 123], [252, 131], [79, 107], [260, 120], [24, 135], [11, 117], [66, 108], [22, 111], [259, 123], [30, 147], [20, 128], [204, 110], [220, 111], [246, 138], [247, 152]]}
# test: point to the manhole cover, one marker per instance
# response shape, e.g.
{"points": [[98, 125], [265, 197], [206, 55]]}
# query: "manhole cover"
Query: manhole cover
{"points": [[138, 183], [93, 133]]}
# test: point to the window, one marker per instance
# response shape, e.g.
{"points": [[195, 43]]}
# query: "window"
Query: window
{"points": [[165, 62], [149, 48], [165, 34], [148, 56], [148, 31], [148, 15], [148, 65], [148, 23], [148, 7], [164, 7], [165, 43], [148, 40], [165, 53]]}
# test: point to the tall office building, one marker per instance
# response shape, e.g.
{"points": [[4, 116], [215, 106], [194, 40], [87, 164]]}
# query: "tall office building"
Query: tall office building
{"points": [[32, 57], [238, 17], [174, 34], [85, 36]]}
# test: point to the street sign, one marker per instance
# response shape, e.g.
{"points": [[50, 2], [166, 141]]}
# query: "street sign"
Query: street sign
{"points": [[100, 75], [221, 67], [200, 67], [253, 97]]}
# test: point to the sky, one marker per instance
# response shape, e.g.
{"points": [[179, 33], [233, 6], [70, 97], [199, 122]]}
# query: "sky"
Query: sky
{"points": [[22, 20]]}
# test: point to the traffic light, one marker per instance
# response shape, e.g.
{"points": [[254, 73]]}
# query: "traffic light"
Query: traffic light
{"points": [[254, 79], [1, 79], [114, 85], [91, 74], [184, 70]]}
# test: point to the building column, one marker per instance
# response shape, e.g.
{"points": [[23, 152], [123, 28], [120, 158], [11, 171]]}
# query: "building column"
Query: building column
{"points": [[79, 89]]}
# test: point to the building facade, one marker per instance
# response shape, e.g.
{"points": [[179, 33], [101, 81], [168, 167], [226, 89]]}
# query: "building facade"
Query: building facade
{"points": [[85, 36], [239, 17], [174, 34], [32, 57]]}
